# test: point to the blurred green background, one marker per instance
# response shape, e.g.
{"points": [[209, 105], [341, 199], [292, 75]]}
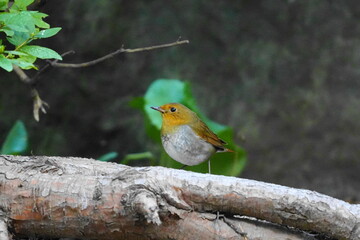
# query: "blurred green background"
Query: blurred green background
{"points": [[283, 74]]}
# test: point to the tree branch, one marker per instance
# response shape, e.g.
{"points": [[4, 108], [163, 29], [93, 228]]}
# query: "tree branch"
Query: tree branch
{"points": [[84, 198], [22, 75], [47, 65], [121, 50], [39, 104]]}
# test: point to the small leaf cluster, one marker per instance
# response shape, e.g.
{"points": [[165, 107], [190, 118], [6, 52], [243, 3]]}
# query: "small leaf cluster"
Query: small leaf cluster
{"points": [[18, 29], [164, 91]]}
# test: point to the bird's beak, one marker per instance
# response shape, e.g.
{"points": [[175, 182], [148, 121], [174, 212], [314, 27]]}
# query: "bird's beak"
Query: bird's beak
{"points": [[158, 109]]}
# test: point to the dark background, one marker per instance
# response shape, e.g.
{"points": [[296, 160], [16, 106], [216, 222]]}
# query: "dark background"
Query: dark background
{"points": [[283, 74]]}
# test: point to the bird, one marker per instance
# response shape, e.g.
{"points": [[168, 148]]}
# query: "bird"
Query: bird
{"points": [[186, 138]]}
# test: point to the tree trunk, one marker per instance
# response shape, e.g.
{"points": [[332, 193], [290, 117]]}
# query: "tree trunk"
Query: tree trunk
{"points": [[88, 199]]}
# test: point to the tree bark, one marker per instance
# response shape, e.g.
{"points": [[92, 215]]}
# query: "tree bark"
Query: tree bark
{"points": [[89, 199], [4, 233]]}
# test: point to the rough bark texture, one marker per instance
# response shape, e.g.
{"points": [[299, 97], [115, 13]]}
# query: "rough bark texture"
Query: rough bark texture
{"points": [[4, 233], [84, 198]]}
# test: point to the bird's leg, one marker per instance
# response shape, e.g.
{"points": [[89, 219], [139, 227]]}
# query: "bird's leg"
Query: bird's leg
{"points": [[209, 165], [184, 166]]}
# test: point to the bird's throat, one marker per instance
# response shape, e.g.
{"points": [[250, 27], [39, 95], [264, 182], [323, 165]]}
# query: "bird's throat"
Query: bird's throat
{"points": [[167, 128]]}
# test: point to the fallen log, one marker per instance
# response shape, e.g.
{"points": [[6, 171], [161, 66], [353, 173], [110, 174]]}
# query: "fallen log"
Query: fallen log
{"points": [[88, 199]]}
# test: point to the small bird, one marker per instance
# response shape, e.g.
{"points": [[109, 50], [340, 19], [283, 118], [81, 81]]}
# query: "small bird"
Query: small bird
{"points": [[185, 137]]}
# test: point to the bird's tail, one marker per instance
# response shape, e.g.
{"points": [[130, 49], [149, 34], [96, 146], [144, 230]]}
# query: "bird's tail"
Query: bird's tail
{"points": [[223, 149]]}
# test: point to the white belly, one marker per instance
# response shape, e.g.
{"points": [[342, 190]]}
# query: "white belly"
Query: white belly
{"points": [[186, 147]]}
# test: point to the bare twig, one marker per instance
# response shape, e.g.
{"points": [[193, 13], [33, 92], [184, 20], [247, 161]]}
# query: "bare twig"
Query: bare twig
{"points": [[32, 80], [39, 104], [121, 50], [49, 64], [21, 74]]}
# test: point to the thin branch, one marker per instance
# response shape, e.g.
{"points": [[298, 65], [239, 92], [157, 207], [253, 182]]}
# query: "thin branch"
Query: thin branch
{"points": [[22, 75], [39, 104], [121, 50], [32, 80], [49, 64]]}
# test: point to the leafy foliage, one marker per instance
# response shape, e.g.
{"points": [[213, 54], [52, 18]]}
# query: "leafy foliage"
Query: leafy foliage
{"points": [[20, 27], [164, 91], [16, 141]]}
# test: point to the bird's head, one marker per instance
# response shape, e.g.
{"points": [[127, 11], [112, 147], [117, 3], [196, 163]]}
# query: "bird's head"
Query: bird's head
{"points": [[176, 114]]}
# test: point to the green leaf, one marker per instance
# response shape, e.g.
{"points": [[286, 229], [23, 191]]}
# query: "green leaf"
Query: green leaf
{"points": [[38, 19], [5, 63], [19, 21], [22, 63], [16, 141], [108, 156], [21, 4], [47, 32], [3, 4], [40, 52], [27, 58], [3, 17], [18, 26], [18, 38], [7, 31], [17, 53], [164, 91]]}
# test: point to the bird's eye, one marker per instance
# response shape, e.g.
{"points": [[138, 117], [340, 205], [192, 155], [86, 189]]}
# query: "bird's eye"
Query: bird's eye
{"points": [[172, 109]]}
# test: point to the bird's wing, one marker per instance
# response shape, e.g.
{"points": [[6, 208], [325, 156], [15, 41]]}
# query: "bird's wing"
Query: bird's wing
{"points": [[205, 133]]}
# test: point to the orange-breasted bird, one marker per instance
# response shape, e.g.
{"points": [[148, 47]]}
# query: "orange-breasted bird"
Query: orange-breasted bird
{"points": [[185, 137]]}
